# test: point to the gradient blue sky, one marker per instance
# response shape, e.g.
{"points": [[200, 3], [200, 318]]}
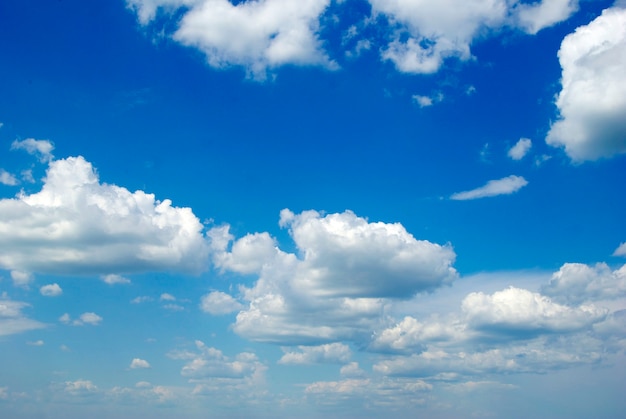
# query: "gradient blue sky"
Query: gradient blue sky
{"points": [[317, 208]]}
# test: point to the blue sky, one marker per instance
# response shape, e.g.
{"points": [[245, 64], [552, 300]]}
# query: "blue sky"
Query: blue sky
{"points": [[317, 208]]}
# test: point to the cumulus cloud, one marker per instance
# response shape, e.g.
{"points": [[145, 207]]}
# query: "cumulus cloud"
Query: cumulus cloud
{"points": [[621, 250], [410, 334], [337, 284], [532, 17], [167, 297], [7, 178], [504, 186], [21, 279], [217, 303], [86, 318], [51, 290], [258, 35], [138, 363], [333, 353], [113, 279], [77, 225], [575, 283], [12, 320], [80, 388], [40, 148], [592, 101], [426, 101], [520, 149]]}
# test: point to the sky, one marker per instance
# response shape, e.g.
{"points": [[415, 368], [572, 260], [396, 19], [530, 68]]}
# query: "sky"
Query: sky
{"points": [[312, 208]]}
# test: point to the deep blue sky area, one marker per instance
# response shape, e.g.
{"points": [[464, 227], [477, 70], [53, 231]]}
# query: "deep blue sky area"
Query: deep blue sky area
{"points": [[453, 173]]}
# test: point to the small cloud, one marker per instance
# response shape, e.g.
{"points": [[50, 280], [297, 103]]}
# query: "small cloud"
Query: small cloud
{"points": [[51, 290], [539, 160], [484, 154], [520, 149], [115, 279], [138, 363], [7, 178], [143, 384], [21, 279], [64, 348], [36, 343], [141, 299], [470, 90], [426, 101], [504, 186], [167, 297], [173, 307], [217, 303], [27, 176], [65, 319], [621, 250], [40, 148], [89, 318]]}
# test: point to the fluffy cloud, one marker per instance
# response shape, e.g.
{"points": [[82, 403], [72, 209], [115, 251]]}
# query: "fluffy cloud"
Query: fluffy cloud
{"points": [[255, 34], [334, 353], [532, 17], [592, 101], [7, 178], [40, 148], [51, 290], [337, 285], [77, 225], [217, 303], [113, 279], [138, 363], [518, 312], [80, 388], [520, 149], [621, 250], [504, 186], [86, 318], [21, 279], [576, 283], [12, 320]]}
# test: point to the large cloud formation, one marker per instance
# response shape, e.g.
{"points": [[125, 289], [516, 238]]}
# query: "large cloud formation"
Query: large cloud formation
{"points": [[420, 35], [337, 285], [592, 101], [77, 225]]}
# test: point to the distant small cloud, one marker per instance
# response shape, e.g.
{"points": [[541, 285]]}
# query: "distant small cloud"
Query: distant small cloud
{"points": [[173, 307], [86, 318], [138, 363], [114, 279], [21, 279], [40, 148], [426, 101], [65, 319], [51, 290], [504, 186], [520, 149], [7, 178], [36, 343], [141, 299], [167, 297]]}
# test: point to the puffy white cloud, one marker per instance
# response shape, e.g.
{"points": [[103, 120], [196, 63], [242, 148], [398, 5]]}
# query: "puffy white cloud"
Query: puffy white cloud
{"points": [[80, 388], [217, 303], [51, 290], [576, 283], [113, 279], [12, 320], [167, 297], [7, 178], [521, 313], [520, 149], [85, 318], [352, 370], [337, 285], [138, 363], [22, 279], [592, 101], [40, 148], [77, 225], [532, 17], [504, 186], [621, 250], [258, 35], [335, 353], [426, 101]]}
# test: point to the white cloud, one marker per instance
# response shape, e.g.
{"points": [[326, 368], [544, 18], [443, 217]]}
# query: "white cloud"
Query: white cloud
{"points": [[167, 297], [141, 299], [80, 388], [352, 370], [36, 343], [138, 363], [621, 250], [217, 303], [12, 320], [520, 149], [77, 225], [65, 318], [576, 283], [51, 290], [258, 35], [504, 186], [345, 271], [7, 178], [592, 101], [334, 353], [521, 313], [85, 318], [426, 101], [40, 148], [173, 307], [113, 279], [411, 334], [532, 17], [21, 279]]}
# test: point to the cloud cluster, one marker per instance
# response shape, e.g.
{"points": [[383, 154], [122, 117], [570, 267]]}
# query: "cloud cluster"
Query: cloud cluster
{"points": [[420, 35], [576, 283], [592, 101], [338, 283], [77, 225], [334, 353]]}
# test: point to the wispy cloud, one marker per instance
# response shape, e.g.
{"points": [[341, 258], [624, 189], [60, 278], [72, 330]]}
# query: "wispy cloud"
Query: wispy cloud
{"points": [[504, 186]]}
